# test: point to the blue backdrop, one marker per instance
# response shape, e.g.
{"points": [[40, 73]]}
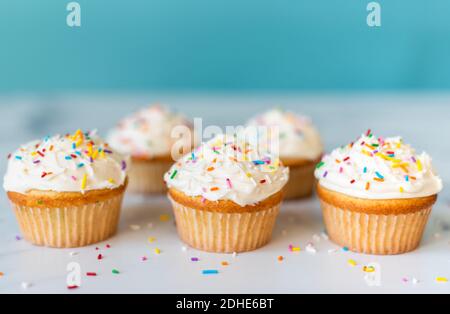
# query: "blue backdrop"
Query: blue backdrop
{"points": [[224, 45]]}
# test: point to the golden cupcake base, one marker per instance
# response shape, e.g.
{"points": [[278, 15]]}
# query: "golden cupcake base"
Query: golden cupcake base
{"points": [[223, 226], [378, 227], [67, 219], [146, 176]]}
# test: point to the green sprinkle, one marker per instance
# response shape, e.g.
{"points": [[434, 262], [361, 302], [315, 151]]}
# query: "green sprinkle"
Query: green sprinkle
{"points": [[174, 174], [115, 272], [320, 164]]}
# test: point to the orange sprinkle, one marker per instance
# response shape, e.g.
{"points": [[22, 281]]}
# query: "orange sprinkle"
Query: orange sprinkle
{"points": [[280, 258], [225, 264], [211, 169], [367, 186], [378, 179], [51, 148], [214, 189], [1, 274]]}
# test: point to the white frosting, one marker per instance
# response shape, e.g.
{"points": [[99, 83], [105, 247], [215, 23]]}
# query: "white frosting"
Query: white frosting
{"points": [[227, 169], [373, 168], [71, 163], [148, 133], [298, 138]]}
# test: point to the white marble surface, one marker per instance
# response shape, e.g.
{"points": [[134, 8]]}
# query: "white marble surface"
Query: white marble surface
{"points": [[421, 119]]}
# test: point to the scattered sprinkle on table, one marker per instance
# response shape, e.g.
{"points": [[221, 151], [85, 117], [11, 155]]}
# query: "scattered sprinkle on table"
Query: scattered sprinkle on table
{"points": [[18, 238], [164, 218], [157, 251], [151, 239], [225, 264], [72, 287], [194, 259], [115, 272], [91, 274], [441, 280], [144, 258], [352, 263], [210, 272], [2, 274], [345, 249], [100, 257], [368, 269], [280, 258]]}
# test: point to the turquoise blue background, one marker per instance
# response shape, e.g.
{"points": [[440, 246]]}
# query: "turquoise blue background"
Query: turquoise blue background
{"points": [[224, 45]]}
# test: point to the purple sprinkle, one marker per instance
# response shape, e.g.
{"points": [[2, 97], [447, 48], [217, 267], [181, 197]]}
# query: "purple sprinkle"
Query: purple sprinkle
{"points": [[107, 151], [413, 159], [325, 174], [194, 259], [18, 238], [124, 165], [36, 161]]}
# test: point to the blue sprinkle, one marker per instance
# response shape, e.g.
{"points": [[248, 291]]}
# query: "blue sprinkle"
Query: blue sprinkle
{"points": [[74, 145], [210, 272], [18, 157], [407, 178], [80, 165], [258, 162], [345, 249], [365, 169], [379, 175], [68, 157]]}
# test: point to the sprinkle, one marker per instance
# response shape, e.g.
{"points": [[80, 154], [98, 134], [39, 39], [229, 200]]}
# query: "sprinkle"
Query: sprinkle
{"points": [[379, 175], [195, 259], [367, 186], [325, 174], [157, 251], [352, 263], [320, 164], [84, 182], [210, 272], [174, 174], [378, 179], [210, 169], [368, 269], [353, 181], [124, 165], [115, 272], [295, 249], [365, 170], [1, 274], [164, 218], [419, 165], [214, 189], [225, 264], [91, 274], [347, 158], [151, 239], [144, 258], [18, 238], [100, 257], [441, 280], [72, 287], [402, 190], [108, 246], [280, 258], [68, 158], [258, 162], [230, 185], [407, 178], [80, 165], [262, 181], [18, 157], [345, 249]]}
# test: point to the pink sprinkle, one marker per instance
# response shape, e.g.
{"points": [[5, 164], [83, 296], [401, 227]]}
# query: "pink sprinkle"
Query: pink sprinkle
{"points": [[144, 258], [108, 246], [229, 183], [341, 170], [203, 200], [74, 178]]}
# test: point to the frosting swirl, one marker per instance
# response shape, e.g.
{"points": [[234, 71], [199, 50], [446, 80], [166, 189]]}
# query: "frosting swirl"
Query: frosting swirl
{"points": [[298, 138], [71, 163], [148, 133], [226, 168], [376, 168]]}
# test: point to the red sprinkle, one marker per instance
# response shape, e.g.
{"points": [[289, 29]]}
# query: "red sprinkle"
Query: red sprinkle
{"points": [[353, 181], [72, 287], [91, 274], [100, 257]]}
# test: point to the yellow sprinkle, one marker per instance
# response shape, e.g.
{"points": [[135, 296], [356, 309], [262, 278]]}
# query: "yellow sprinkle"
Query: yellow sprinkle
{"points": [[90, 151], [352, 263], [164, 218], [225, 264], [249, 175], [365, 152], [402, 190], [441, 279], [419, 165], [151, 239], [111, 181], [79, 142], [157, 251], [368, 269], [296, 249], [102, 154], [84, 182], [95, 154]]}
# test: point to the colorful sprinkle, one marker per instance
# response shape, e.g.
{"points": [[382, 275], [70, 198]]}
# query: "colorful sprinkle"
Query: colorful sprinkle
{"points": [[210, 272]]}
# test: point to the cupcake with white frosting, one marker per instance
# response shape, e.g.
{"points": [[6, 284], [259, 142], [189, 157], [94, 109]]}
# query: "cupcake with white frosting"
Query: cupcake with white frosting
{"points": [[377, 194], [226, 196], [300, 147], [66, 191], [151, 138]]}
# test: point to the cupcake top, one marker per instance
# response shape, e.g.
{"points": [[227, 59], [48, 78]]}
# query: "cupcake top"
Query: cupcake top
{"points": [[226, 168], [298, 138], [70, 163], [376, 168], [147, 133]]}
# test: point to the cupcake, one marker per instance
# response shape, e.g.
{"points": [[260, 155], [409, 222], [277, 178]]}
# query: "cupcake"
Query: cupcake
{"points": [[225, 196], [300, 148], [376, 195], [66, 191], [147, 136]]}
